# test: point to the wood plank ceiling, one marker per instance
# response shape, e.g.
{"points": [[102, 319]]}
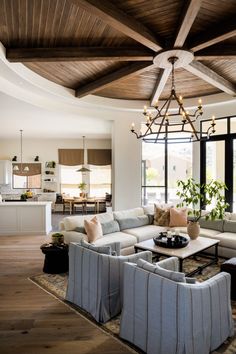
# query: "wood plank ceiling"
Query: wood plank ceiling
{"points": [[107, 48]]}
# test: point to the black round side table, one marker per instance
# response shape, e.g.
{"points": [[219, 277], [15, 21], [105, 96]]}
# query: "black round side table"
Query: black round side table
{"points": [[56, 258]]}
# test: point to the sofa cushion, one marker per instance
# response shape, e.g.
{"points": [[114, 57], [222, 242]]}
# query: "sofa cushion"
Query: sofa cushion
{"points": [[227, 240], [145, 232], [124, 239], [229, 226], [161, 216], [128, 223], [169, 274], [211, 224], [129, 213], [178, 217], [232, 216], [209, 233], [151, 219], [71, 222], [98, 249]]}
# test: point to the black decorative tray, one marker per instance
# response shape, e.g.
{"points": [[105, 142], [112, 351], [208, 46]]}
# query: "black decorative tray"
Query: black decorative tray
{"points": [[174, 242]]}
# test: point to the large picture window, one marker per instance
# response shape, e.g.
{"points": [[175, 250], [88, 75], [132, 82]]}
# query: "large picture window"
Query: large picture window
{"points": [[70, 180], [218, 157], [98, 180], [162, 166]]}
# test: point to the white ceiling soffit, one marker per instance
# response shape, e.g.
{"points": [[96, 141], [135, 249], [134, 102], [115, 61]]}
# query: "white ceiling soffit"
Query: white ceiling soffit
{"points": [[19, 81], [38, 122]]}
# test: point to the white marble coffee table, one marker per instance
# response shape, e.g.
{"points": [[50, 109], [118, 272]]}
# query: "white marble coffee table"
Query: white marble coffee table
{"points": [[192, 249]]}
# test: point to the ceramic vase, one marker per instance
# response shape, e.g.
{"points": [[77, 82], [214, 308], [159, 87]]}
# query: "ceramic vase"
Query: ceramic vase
{"points": [[193, 229]]}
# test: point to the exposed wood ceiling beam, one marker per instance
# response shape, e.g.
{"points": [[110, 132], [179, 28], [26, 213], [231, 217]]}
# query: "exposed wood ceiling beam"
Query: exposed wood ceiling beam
{"points": [[160, 84], [188, 18], [210, 76], [123, 73], [78, 54], [218, 34], [217, 53], [119, 20]]}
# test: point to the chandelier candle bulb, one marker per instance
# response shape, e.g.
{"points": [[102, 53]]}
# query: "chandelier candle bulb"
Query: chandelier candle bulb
{"points": [[148, 120], [145, 109], [132, 126]]}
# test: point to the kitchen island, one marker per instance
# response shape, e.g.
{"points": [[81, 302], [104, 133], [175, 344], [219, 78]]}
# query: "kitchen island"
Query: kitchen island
{"points": [[25, 218]]}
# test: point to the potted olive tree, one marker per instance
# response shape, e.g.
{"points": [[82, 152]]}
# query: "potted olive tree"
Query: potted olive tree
{"points": [[194, 195]]}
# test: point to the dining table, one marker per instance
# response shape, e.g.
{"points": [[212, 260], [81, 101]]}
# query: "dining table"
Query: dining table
{"points": [[83, 201]]}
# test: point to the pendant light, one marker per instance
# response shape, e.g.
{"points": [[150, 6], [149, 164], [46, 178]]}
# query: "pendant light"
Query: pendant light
{"points": [[84, 169], [16, 167]]}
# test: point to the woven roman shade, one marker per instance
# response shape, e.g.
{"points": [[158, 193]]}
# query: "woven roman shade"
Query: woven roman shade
{"points": [[71, 157], [99, 157], [34, 169]]}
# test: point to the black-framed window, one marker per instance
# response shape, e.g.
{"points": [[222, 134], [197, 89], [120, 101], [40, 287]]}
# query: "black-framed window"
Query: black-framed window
{"points": [[162, 166], [218, 157]]}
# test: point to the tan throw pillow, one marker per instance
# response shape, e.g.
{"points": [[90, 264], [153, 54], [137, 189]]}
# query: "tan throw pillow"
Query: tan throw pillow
{"points": [[161, 216], [178, 217], [93, 229]]}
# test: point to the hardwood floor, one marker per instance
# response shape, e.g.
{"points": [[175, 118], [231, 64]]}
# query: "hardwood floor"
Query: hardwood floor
{"points": [[34, 322]]}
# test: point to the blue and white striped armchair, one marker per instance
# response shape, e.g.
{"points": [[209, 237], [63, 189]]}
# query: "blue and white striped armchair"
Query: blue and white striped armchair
{"points": [[96, 280], [162, 316]]}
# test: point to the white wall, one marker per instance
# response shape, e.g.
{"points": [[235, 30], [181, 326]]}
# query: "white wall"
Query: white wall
{"points": [[46, 149], [126, 188]]}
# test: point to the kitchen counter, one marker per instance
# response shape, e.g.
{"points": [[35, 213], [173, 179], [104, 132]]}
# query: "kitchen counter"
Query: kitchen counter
{"points": [[25, 218]]}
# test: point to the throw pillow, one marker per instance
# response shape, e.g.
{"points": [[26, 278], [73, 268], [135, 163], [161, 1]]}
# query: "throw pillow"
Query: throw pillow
{"points": [[129, 223], [178, 217], [80, 229], [110, 227], [212, 224], [161, 216], [98, 249], [230, 226], [155, 268], [151, 218], [93, 229]]}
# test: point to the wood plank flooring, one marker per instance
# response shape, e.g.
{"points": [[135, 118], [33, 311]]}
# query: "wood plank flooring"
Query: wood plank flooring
{"points": [[34, 322]]}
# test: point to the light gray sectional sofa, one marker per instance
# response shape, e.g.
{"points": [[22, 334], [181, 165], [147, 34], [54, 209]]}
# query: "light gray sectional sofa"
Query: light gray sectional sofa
{"points": [[135, 225]]}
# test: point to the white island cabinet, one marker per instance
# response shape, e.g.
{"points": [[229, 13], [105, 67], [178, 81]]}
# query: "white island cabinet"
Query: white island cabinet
{"points": [[25, 218]]}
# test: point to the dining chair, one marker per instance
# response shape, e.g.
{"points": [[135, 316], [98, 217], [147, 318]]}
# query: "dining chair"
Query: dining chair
{"points": [[80, 206]]}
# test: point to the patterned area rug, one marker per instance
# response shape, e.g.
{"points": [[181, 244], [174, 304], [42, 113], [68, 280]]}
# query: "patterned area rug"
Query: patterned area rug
{"points": [[56, 284]]}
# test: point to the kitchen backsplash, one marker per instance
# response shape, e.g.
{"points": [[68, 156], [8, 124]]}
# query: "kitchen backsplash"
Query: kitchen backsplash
{"points": [[6, 190]]}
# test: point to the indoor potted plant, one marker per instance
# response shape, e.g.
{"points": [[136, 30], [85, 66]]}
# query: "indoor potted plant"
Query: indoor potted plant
{"points": [[194, 194], [57, 238], [82, 186]]}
